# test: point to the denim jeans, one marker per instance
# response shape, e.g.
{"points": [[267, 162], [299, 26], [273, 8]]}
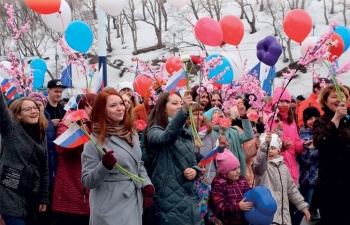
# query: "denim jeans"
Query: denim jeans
{"points": [[10, 220]]}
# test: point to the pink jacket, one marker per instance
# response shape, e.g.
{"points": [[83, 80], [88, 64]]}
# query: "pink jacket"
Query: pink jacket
{"points": [[290, 132]]}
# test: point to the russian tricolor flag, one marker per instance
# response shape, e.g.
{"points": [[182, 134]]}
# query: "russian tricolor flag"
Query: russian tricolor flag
{"points": [[178, 79], [10, 93], [210, 156], [72, 137]]}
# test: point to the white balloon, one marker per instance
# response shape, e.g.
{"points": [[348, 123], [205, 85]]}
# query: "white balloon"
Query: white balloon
{"points": [[178, 3], [112, 7], [60, 20], [309, 42], [236, 64], [3, 73]]}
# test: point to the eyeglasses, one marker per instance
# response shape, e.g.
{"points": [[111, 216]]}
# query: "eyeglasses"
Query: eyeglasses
{"points": [[29, 109]]}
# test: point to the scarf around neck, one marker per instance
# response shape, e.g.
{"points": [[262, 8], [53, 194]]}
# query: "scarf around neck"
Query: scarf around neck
{"points": [[115, 130]]}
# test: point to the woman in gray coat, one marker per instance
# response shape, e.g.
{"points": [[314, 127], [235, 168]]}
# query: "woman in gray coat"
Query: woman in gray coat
{"points": [[24, 172], [174, 167], [114, 198]]}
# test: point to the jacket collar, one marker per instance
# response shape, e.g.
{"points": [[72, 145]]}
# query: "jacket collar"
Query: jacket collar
{"points": [[122, 144]]}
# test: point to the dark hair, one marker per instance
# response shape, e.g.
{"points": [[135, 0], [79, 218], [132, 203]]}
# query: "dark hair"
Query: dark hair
{"points": [[98, 114], [318, 84], [86, 100], [194, 94], [216, 92], [159, 116], [206, 122]]}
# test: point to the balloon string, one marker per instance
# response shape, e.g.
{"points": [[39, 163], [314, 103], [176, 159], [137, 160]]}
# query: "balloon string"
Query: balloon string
{"points": [[62, 22], [229, 57], [239, 53]]}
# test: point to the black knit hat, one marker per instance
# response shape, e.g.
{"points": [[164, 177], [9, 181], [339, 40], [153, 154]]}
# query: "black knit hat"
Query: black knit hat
{"points": [[310, 112], [300, 97]]}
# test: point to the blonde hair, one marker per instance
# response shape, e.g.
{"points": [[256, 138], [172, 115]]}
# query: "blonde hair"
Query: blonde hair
{"points": [[322, 98]]}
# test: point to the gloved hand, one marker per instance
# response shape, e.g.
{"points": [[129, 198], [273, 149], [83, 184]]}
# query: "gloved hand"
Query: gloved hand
{"points": [[147, 192], [108, 159]]}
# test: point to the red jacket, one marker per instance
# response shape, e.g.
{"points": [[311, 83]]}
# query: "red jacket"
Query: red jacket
{"points": [[69, 195], [311, 101]]}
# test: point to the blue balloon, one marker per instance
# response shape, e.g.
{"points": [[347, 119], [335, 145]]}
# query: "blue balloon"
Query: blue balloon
{"points": [[79, 36], [38, 64], [265, 206], [344, 32], [225, 69], [38, 80]]}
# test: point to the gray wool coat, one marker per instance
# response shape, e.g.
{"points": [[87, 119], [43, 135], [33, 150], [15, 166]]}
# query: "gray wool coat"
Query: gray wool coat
{"points": [[114, 198], [24, 171], [276, 177]]}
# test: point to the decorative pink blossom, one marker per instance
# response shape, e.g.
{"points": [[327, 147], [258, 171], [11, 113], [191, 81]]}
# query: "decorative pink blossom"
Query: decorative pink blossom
{"points": [[76, 116], [140, 125]]}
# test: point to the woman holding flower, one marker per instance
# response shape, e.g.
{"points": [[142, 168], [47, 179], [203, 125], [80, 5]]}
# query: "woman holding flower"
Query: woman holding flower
{"points": [[70, 197], [233, 136], [331, 136], [115, 198], [174, 166]]}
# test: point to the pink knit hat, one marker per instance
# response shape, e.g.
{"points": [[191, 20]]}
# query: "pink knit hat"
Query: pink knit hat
{"points": [[277, 93], [226, 162], [38, 97]]}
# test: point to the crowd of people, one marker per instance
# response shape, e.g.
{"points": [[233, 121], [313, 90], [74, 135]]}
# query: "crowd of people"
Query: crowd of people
{"points": [[300, 154]]}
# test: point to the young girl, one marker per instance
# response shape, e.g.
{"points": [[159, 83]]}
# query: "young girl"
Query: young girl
{"points": [[272, 172], [228, 188]]}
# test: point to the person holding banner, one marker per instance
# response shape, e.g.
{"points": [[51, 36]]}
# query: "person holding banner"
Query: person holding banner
{"points": [[24, 171]]}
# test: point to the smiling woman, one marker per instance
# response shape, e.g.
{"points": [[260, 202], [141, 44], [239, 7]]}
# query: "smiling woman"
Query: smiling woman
{"points": [[23, 166], [114, 197]]}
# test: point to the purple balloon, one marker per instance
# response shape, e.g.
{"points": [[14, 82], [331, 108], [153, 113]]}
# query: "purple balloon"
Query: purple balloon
{"points": [[268, 50]]}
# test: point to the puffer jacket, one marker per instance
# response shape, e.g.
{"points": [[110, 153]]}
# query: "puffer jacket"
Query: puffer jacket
{"points": [[290, 132], [276, 177], [224, 198], [172, 151]]}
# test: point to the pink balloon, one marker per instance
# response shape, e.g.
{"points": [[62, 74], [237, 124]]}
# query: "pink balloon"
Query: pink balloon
{"points": [[208, 31]]}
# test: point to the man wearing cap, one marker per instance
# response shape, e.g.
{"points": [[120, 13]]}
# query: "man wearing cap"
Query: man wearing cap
{"points": [[54, 108]]}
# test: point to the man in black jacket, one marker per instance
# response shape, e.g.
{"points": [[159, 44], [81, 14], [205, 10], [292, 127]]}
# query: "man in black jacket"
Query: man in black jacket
{"points": [[54, 108]]}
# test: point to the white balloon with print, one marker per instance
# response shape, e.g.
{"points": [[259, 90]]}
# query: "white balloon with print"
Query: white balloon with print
{"points": [[60, 20], [112, 7], [236, 64], [178, 3], [6, 66]]}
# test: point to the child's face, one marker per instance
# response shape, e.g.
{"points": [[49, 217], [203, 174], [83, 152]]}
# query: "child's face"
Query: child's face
{"points": [[203, 169], [234, 174], [273, 152], [310, 122]]}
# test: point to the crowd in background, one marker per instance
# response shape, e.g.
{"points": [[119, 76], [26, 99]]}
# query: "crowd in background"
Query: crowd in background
{"points": [[300, 154]]}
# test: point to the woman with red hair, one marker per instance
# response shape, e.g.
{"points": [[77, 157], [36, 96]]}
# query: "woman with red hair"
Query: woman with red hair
{"points": [[114, 198]]}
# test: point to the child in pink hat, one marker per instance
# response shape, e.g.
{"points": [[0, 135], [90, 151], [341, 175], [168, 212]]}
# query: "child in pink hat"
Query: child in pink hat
{"points": [[228, 188]]}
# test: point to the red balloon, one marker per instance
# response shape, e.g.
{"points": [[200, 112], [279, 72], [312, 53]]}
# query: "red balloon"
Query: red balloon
{"points": [[142, 84], [44, 6], [297, 25], [217, 86], [232, 29], [208, 31], [336, 50], [173, 64]]}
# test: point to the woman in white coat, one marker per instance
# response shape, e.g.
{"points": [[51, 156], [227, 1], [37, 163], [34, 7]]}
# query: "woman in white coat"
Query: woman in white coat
{"points": [[114, 198]]}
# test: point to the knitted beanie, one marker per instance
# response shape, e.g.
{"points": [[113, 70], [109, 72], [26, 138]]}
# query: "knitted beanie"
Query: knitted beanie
{"points": [[277, 93], [124, 84], [310, 112], [226, 162], [209, 114], [275, 141], [36, 96]]}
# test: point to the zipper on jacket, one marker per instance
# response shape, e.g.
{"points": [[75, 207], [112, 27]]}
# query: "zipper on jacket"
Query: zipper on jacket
{"points": [[282, 209]]}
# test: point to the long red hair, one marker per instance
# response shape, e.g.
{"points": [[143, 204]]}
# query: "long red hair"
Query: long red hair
{"points": [[99, 115]]}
